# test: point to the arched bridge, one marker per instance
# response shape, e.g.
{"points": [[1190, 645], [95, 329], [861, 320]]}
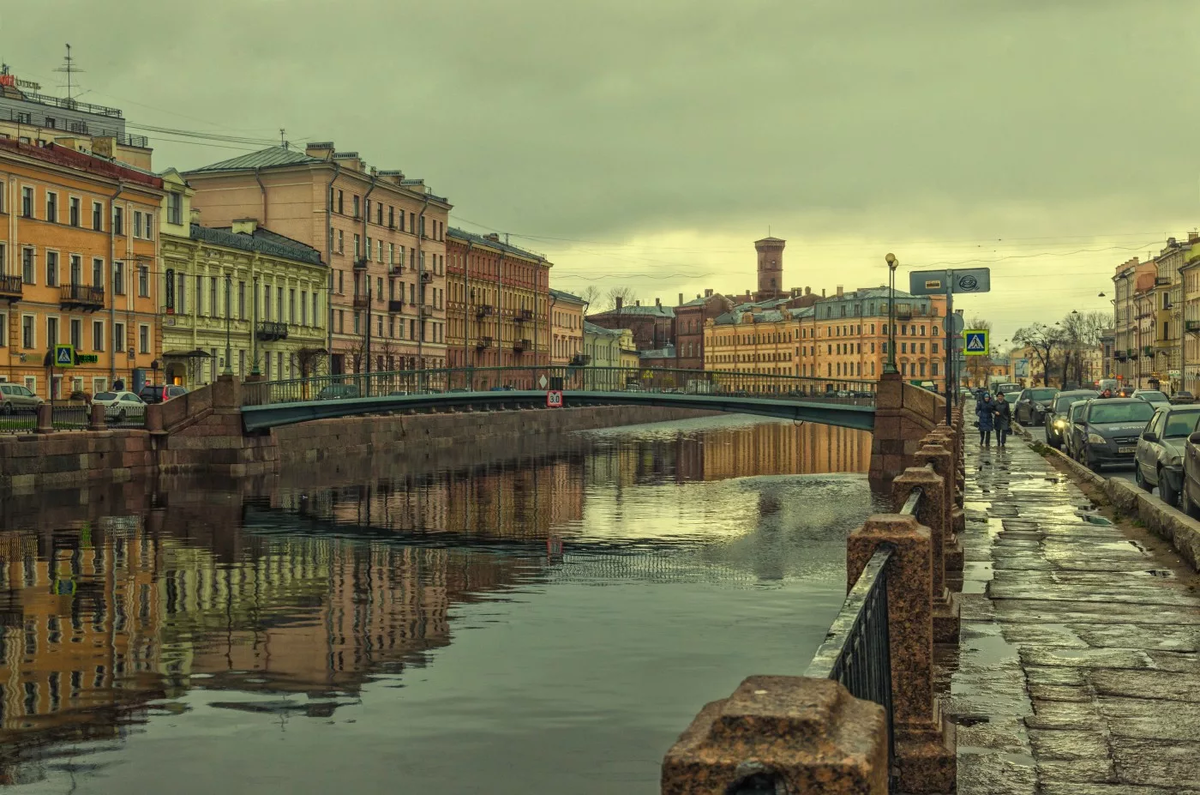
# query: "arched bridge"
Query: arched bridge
{"points": [[842, 403]]}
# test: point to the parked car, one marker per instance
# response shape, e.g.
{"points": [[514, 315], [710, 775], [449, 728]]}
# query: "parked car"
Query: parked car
{"points": [[1033, 404], [160, 393], [17, 398], [1182, 398], [1110, 430], [1011, 397], [1056, 417], [120, 406], [1152, 396], [338, 392], [1072, 438], [1159, 457]]}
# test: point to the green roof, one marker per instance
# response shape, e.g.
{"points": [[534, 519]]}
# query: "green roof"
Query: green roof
{"points": [[265, 158]]}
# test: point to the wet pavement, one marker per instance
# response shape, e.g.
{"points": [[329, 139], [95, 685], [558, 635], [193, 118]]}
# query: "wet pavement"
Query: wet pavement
{"points": [[1079, 669]]}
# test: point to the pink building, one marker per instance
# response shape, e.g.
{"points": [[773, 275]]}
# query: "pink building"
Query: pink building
{"points": [[383, 237]]}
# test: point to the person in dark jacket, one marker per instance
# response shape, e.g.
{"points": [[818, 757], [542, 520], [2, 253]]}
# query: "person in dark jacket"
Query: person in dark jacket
{"points": [[987, 418], [1002, 420]]}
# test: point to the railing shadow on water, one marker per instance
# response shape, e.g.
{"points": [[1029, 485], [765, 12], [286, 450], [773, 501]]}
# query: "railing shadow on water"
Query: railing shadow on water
{"points": [[564, 378]]}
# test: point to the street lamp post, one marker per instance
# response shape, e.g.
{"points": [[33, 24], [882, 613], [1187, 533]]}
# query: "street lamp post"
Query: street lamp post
{"points": [[228, 303], [892, 263]]}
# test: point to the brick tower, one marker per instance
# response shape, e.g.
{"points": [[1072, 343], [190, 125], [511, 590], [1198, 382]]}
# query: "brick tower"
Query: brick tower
{"points": [[770, 268]]}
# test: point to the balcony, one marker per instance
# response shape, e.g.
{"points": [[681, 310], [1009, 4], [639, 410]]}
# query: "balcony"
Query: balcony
{"points": [[581, 360], [1133, 354], [1120, 356], [1162, 280], [362, 302], [426, 276], [520, 346], [1147, 350], [396, 269], [360, 263], [521, 315], [81, 296], [271, 330], [484, 311], [395, 306], [426, 310], [1192, 325], [10, 288], [483, 343]]}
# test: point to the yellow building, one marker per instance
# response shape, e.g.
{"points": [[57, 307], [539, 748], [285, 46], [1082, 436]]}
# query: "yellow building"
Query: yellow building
{"points": [[268, 292], [753, 341], [609, 350], [566, 329], [77, 256]]}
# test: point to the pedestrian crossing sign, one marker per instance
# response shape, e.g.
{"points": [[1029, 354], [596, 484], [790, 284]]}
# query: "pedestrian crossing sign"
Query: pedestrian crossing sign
{"points": [[64, 356], [976, 342]]}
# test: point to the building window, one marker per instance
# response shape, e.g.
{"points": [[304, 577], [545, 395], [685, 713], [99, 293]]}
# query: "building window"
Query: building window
{"points": [[144, 281], [175, 208], [341, 244], [76, 269], [118, 225], [77, 333], [303, 306], [137, 223], [315, 316], [357, 246], [27, 202], [73, 211], [97, 335], [118, 337], [51, 206], [28, 338], [341, 207], [27, 266], [118, 278], [356, 206], [51, 268], [241, 300], [51, 332], [98, 216], [143, 339]]}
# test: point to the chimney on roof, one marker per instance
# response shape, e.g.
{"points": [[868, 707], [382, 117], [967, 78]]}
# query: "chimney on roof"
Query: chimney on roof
{"points": [[707, 293], [657, 302], [839, 289], [244, 226], [822, 292], [681, 299], [195, 215], [1170, 241], [620, 301], [322, 150], [493, 236], [1193, 236], [807, 290], [637, 302]]}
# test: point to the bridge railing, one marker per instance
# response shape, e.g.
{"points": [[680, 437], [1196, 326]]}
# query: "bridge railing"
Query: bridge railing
{"points": [[565, 378], [865, 716]]}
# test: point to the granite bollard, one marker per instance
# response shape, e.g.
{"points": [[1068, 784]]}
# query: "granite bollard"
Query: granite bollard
{"points": [[808, 735], [924, 742], [932, 513], [97, 421]]}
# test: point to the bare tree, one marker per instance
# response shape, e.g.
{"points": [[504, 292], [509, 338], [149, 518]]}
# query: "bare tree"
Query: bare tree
{"points": [[624, 293], [1045, 341], [309, 361], [1081, 335], [590, 296]]}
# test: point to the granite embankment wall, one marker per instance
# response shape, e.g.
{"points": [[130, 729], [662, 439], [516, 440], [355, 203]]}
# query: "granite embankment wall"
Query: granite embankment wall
{"points": [[201, 433]]}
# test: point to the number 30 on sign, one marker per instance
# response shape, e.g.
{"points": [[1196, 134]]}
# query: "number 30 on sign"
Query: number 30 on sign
{"points": [[554, 399]]}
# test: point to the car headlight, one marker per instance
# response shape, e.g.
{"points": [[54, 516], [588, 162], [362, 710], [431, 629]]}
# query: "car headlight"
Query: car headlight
{"points": [[1095, 438], [1060, 424]]}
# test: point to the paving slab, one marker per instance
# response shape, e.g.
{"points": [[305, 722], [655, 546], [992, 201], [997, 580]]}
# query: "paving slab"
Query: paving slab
{"points": [[1079, 662]]}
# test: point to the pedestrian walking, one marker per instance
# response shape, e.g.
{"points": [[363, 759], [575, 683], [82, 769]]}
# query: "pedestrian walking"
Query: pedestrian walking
{"points": [[1002, 421], [987, 420]]}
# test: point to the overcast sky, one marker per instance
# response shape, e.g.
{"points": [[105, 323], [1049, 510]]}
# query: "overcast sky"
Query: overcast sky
{"points": [[649, 143]]}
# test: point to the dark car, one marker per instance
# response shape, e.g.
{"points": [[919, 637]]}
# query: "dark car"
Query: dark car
{"points": [[160, 393], [1159, 459], [338, 392], [1072, 434], [1056, 417], [1108, 430], [1182, 398], [1152, 396], [1033, 404]]}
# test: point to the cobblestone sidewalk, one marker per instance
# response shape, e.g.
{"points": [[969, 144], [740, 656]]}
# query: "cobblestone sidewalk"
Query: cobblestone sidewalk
{"points": [[1079, 671]]}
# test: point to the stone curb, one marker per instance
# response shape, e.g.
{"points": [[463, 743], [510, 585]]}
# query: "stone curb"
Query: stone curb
{"points": [[1166, 522]]}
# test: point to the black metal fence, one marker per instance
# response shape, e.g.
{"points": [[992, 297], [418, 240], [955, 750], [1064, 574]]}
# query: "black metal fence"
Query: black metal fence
{"points": [[18, 420], [70, 416], [596, 379], [121, 417]]}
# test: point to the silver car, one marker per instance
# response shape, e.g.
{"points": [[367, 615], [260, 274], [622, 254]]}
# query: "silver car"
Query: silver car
{"points": [[1159, 457], [15, 398]]}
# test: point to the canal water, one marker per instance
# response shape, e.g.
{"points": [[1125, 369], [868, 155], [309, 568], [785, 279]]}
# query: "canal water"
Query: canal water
{"points": [[548, 620]]}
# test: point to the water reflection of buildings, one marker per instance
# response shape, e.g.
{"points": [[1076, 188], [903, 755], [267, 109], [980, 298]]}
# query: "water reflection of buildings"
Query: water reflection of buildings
{"points": [[313, 581]]}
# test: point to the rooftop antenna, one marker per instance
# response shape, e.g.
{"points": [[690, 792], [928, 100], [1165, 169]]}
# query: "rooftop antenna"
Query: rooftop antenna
{"points": [[282, 141], [69, 69]]}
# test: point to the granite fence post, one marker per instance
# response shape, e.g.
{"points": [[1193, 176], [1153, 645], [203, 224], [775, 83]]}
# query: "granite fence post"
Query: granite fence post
{"points": [[952, 550], [933, 512], [45, 418], [97, 421], [924, 742], [783, 734]]}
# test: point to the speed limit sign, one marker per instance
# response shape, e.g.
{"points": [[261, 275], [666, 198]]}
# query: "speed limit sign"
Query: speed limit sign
{"points": [[554, 399]]}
